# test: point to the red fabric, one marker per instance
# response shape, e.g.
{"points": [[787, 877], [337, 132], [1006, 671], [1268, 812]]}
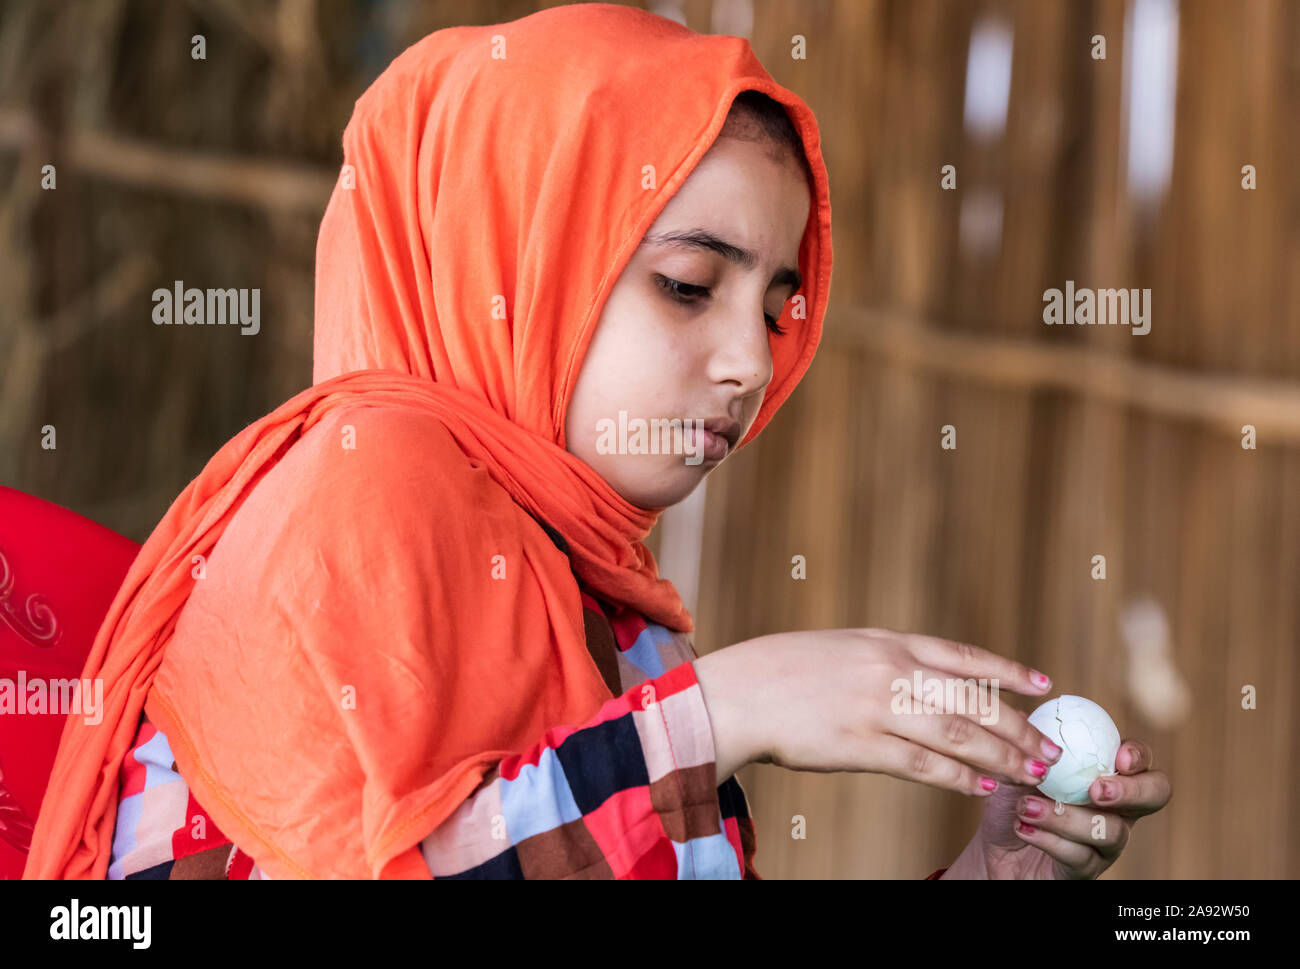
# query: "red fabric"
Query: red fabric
{"points": [[58, 574], [241, 866]]}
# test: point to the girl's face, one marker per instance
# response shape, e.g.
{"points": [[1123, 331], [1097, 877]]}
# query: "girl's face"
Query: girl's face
{"points": [[684, 332]]}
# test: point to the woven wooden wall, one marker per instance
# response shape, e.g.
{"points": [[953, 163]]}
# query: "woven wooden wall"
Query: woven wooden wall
{"points": [[1072, 442]]}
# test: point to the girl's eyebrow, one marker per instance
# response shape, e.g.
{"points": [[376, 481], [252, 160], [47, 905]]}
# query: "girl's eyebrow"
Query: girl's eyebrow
{"points": [[704, 239]]}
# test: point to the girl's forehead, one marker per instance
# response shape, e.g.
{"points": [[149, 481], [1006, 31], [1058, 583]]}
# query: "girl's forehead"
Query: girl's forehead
{"points": [[737, 179]]}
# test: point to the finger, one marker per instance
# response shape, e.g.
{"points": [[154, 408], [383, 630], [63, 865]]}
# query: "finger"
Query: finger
{"points": [[1014, 727], [1008, 733], [1079, 860], [1133, 758], [1105, 832], [1133, 796], [963, 738], [964, 659], [911, 762]]}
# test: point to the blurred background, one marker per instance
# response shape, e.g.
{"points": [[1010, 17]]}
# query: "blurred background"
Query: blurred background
{"points": [[1122, 171]]}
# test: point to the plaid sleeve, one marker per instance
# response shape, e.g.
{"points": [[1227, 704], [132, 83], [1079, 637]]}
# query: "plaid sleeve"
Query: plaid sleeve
{"points": [[631, 793], [161, 831]]}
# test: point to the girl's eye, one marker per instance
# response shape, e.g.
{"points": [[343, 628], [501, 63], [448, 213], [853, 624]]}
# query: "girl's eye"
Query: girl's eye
{"points": [[688, 293], [680, 291]]}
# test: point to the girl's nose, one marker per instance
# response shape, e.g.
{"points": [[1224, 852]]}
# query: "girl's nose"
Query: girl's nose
{"points": [[743, 355]]}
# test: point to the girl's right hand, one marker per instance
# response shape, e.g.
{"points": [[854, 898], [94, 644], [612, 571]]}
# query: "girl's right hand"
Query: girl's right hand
{"points": [[823, 701]]}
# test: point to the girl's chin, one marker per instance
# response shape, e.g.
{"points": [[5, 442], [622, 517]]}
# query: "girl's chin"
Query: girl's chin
{"points": [[667, 487]]}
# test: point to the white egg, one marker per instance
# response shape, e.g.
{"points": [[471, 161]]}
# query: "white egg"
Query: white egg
{"points": [[1089, 741]]}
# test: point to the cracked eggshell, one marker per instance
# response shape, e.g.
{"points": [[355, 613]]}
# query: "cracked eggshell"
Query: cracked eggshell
{"points": [[1089, 741]]}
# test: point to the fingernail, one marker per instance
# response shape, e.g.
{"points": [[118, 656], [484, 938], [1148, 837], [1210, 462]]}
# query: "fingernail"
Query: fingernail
{"points": [[1037, 768], [1051, 750], [1031, 808], [1041, 679], [1107, 791], [988, 783], [1026, 828]]}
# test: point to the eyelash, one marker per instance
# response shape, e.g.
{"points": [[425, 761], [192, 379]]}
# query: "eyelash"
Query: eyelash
{"points": [[675, 289]]}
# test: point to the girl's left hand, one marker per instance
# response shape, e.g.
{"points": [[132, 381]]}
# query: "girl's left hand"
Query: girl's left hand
{"points": [[1082, 841]]}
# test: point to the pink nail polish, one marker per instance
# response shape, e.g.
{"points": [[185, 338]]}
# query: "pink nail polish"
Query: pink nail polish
{"points": [[988, 783], [1027, 828], [1037, 768], [1040, 678]]}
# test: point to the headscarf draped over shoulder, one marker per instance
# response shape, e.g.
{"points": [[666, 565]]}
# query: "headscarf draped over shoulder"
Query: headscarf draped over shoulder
{"points": [[349, 616]]}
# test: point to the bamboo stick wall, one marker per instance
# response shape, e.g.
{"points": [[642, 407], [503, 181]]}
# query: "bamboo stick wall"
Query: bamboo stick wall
{"points": [[1072, 441]]}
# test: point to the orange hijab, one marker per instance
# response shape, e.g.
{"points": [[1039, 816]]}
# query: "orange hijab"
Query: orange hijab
{"points": [[348, 617]]}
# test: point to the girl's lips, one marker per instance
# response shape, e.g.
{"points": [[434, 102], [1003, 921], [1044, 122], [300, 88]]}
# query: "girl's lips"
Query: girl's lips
{"points": [[713, 446]]}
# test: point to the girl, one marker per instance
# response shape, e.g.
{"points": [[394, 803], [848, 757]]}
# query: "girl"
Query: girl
{"points": [[405, 625]]}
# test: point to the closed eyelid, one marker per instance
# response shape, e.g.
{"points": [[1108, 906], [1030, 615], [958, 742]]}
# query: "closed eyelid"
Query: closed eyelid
{"points": [[787, 277], [674, 289], [670, 283], [703, 240]]}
